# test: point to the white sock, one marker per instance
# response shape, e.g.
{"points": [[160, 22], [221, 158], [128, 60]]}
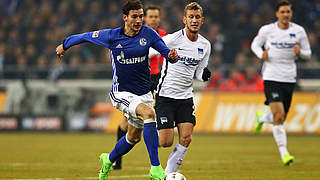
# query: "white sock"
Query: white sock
{"points": [[175, 159], [267, 118], [280, 137]]}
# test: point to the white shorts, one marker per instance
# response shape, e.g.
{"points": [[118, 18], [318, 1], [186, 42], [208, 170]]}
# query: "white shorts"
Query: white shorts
{"points": [[128, 102]]}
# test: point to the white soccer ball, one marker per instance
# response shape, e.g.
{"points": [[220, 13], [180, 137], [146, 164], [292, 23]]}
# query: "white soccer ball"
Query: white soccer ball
{"points": [[175, 176]]}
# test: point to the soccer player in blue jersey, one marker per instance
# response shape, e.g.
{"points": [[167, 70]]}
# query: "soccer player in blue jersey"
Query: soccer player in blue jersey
{"points": [[130, 92], [151, 19]]}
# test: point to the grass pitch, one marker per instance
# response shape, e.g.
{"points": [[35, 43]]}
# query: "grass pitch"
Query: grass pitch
{"points": [[62, 156]]}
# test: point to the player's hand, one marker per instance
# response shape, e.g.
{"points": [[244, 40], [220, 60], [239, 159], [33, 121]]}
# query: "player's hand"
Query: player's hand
{"points": [[206, 75], [60, 51], [265, 55], [173, 54], [296, 49]]}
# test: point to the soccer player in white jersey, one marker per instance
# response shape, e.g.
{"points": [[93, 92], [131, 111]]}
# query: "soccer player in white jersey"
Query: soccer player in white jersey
{"points": [[174, 98], [278, 45]]}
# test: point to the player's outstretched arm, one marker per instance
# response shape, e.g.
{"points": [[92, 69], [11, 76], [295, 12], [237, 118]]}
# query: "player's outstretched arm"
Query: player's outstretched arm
{"points": [[173, 55], [153, 52], [162, 48], [101, 37]]}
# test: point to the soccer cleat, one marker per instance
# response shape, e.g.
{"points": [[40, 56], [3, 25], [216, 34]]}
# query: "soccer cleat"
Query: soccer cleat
{"points": [[287, 159], [117, 165], [258, 124], [106, 166], [157, 173]]}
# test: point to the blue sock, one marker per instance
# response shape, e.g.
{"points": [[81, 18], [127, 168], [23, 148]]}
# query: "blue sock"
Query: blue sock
{"points": [[151, 140], [122, 147]]}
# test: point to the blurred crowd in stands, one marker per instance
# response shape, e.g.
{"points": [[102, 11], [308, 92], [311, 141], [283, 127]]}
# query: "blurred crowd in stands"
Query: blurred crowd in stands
{"points": [[31, 29]]}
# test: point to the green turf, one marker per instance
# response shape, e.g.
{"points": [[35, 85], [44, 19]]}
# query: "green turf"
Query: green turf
{"points": [[60, 156]]}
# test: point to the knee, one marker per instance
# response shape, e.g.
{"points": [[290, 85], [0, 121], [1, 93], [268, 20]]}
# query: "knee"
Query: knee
{"points": [[185, 140], [166, 143], [278, 118], [149, 114], [166, 137], [134, 140]]}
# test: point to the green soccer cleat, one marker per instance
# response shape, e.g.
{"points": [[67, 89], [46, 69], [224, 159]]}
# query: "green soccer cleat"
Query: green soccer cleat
{"points": [[157, 173], [258, 125], [106, 166], [287, 159]]}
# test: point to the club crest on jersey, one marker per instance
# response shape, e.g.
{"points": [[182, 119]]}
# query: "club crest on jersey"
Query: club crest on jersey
{"points": [[143, 42], [275, 95], [292, 35], [95, 34], [200, 51], [163, 120]]}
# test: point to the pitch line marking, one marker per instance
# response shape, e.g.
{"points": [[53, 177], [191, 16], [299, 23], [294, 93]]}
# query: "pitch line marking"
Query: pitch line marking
{"points": [[109, 177]]}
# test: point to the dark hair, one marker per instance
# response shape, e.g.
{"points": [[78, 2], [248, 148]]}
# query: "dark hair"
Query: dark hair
{"points": [[131, 5], [151, 8], [282, 3]]}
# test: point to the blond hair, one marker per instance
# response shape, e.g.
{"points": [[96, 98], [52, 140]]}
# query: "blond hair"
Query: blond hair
{"points": [[193, 6]]}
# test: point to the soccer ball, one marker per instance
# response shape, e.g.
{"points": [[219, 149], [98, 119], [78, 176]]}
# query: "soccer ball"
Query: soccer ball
{"points": [[175, 176]]}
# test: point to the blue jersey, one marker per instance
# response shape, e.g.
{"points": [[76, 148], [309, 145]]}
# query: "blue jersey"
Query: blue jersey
{"points": [[129, 55]]}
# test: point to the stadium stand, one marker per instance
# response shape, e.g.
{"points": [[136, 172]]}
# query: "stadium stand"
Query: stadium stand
{"points": [[31, 29]]}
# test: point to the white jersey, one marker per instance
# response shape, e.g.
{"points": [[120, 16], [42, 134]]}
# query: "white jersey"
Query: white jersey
{"points": [[280, 65], [176, 79]]}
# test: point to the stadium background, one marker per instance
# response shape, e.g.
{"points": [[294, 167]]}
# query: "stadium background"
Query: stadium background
{"points": [[39, 90], [40, 94]]}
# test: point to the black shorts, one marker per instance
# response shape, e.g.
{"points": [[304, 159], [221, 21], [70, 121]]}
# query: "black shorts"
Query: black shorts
{"points": [[279, 92], [154, 81], [171, 112]]}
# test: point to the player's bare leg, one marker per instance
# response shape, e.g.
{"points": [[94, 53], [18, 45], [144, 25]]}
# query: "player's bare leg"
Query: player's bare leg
{"points": [[166, 137], [279, 132], [177, 155]]}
